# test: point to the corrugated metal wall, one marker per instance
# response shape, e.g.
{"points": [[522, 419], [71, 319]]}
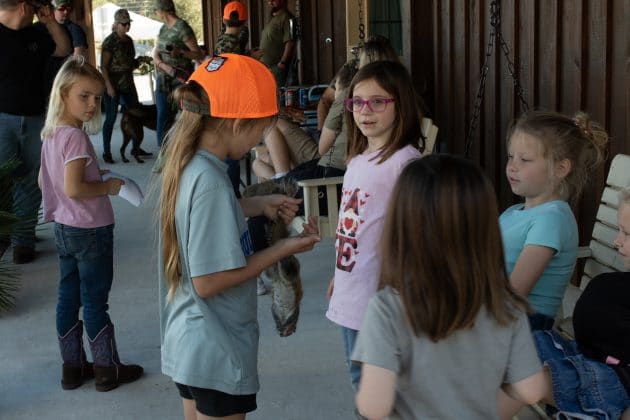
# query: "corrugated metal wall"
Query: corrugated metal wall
{"points": [[570, 55]]}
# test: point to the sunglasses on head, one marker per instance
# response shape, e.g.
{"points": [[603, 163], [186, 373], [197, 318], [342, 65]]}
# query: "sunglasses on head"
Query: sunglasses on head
{"points": [[64, 8]]}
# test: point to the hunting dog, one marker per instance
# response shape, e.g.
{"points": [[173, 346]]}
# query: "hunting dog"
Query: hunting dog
{"points": [[133, 120]]}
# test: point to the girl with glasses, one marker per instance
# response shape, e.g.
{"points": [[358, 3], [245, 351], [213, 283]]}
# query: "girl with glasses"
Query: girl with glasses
{"points": [[383, 127]]}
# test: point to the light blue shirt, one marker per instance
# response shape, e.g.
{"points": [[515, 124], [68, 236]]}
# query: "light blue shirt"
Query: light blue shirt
{"points": [[210, 343], [553, 225]]}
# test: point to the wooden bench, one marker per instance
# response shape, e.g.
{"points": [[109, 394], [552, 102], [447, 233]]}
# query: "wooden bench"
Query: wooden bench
{"points": [[601, 255], [313, 188]]}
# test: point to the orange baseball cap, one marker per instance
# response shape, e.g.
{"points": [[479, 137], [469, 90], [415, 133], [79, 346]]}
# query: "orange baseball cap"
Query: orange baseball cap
{"points": [[235, 6], [238, 87]]}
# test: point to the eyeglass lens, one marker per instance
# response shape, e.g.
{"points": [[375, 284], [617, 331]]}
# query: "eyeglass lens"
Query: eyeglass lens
{"points": [[374, 104]]}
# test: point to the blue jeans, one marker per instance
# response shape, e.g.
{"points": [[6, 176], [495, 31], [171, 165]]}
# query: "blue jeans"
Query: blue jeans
{"points": [[165, 112], [20, 140], [349, 337], [581, 386], [86, 269], [538, 321], [111, 110]]}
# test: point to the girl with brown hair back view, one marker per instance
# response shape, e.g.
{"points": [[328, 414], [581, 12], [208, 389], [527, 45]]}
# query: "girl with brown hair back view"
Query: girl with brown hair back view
{"points": [[446, 331]]}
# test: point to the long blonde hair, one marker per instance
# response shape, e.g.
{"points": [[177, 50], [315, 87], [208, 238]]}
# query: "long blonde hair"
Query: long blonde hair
{"points": [[181, 143], [72, 70]]}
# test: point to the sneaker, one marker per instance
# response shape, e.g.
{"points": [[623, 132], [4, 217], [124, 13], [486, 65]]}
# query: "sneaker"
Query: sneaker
{"points": [[23, 254], [261, 289]]}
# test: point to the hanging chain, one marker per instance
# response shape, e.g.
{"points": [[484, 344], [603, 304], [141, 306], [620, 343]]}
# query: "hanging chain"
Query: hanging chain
{"points": [[298, 20], [495, 32], [361, 23]]}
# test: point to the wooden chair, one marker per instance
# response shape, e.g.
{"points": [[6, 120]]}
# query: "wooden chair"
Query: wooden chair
{"points": [[312, 190], [601, 255]]}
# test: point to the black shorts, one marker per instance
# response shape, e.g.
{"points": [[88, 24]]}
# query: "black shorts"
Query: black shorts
{"points": [[214, 403]]}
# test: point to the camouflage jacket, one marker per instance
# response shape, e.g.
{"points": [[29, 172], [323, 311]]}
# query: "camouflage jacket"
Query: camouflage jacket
{"points": [[173, 38], [227, 43], [122, 62]]}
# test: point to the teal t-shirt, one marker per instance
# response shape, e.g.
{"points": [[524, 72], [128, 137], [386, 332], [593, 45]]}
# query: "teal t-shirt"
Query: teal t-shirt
{"points": [[210, 343], [553, 225]]}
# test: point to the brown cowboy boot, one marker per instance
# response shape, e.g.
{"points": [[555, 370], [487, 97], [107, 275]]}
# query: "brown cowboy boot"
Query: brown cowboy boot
{"points": [[109, 372], [76, 368]]}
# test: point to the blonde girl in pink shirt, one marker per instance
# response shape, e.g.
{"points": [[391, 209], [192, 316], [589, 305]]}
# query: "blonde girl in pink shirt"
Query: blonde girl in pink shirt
{"points": [[75, 197]]}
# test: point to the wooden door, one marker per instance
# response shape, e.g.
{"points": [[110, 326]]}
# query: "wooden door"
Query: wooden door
{"points": [[323, 41]]}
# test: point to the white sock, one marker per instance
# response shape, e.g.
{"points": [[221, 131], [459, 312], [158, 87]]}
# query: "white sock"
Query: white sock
{"points": [[278, 175]]}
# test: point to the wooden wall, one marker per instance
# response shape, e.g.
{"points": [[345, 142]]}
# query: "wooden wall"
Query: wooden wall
{"points": [[570, 54]]}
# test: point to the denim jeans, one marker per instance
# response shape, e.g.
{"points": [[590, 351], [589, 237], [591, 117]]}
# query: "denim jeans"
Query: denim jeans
{"points": [[20, 140], [165, 112], [349, 337], [111, 110], [86, 270], [581, 386], [539, 321]]}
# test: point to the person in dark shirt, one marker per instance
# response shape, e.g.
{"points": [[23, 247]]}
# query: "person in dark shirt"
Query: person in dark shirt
{"points": [[26, 48], [62, 11]]}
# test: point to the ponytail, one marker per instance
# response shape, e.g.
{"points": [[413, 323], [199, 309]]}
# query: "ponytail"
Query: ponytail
{"points": [[180, 146]]}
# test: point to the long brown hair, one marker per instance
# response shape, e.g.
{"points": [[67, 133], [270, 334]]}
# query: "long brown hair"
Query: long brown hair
{"points": [[394, 78], [578, 139], [442, 249]]}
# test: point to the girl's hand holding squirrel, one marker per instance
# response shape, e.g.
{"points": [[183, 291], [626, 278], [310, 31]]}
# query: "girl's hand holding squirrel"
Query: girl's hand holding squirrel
{"points": [[113, 185], [277, 205]]}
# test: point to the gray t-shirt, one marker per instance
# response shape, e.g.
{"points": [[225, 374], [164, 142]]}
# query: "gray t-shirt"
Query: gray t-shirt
{"points": [[455, 378], [210, 343]]}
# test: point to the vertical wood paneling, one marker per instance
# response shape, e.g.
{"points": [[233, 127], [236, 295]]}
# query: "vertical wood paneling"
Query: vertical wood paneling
{"points": [[570, 54], [547, 58], [620, 74]]}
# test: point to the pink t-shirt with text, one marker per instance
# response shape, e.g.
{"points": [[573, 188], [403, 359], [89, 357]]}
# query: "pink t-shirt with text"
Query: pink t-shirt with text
{"points": [[65, 145], [367, 187]]}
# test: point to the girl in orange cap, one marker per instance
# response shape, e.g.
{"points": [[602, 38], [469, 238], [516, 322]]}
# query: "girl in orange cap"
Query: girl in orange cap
{"points": [[207, 268]]}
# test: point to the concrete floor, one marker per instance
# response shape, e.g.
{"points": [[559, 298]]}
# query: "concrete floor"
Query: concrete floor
{"points": [[302, 376]]}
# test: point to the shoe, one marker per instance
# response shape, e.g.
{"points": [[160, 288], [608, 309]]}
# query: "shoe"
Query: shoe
{"points": [[140, 152], [109, 371], [261, 289], [23, 254], [107, 157], [76, 368]]}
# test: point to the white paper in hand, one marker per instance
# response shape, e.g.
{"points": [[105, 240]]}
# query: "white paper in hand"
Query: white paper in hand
{"points": [[130, 191]]}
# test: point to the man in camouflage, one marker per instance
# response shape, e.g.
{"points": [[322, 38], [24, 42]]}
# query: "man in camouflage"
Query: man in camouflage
{"points": [[235, 34], [174, 51], [117, 65]]}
